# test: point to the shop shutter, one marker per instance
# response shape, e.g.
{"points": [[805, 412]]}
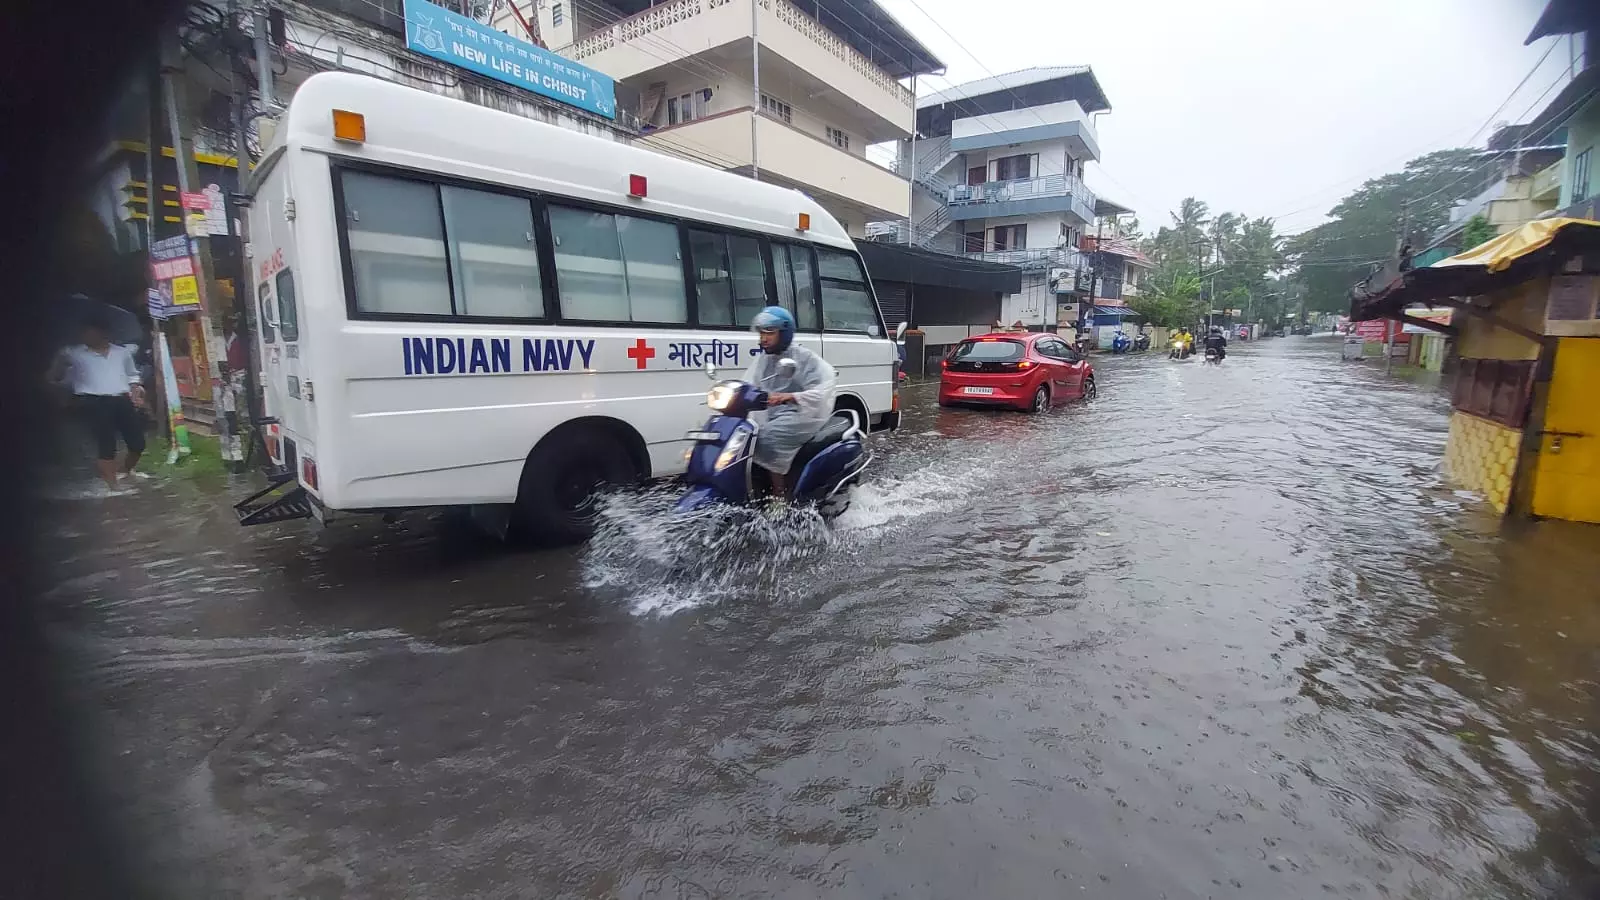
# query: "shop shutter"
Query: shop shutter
{"points": [[892, 300]]}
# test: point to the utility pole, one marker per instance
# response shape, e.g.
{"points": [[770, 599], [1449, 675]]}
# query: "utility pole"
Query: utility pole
{"points": [[258, 25], [188, 177], [755, 77]]}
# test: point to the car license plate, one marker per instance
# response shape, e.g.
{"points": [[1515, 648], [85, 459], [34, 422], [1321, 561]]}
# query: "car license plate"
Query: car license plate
{"points": [[977, 390], [703, 436]]}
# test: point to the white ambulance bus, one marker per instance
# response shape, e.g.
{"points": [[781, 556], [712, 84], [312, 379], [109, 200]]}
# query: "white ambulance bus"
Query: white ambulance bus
{"points": [[462, 307]]}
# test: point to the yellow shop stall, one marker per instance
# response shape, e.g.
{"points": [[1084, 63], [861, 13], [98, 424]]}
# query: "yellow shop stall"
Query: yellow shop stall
{"points": [[1525, 418]]}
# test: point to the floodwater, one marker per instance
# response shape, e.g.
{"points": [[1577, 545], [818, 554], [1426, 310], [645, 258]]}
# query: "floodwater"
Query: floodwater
{"points": [[1222, 633]]}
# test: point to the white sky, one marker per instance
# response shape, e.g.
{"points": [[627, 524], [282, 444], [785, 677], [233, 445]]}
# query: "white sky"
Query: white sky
{"points": [[1255, 106]]}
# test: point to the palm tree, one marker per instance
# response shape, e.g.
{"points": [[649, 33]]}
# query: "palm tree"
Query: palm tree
{"points": [[1189, 223]]}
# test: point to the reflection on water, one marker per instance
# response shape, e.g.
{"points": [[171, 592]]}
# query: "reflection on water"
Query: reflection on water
{"points": [[1224, 632]]}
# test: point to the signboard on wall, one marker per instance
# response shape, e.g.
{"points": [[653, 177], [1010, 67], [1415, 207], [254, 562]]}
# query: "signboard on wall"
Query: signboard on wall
{"points": [[455, 39]]}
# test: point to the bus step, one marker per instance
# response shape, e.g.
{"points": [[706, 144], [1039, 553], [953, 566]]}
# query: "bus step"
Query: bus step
{"points": [[268, 505]]}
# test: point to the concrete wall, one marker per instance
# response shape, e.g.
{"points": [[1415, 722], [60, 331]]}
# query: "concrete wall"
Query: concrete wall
{"points": [[729, 92], [1044, 232], [1053, 158], [794, 156], [1027, 117], [1523, 305], [1583, 133], [1482, 456], [1034, 305]]}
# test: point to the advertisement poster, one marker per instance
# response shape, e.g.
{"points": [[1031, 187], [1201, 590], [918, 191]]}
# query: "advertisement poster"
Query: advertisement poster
{"points": [[172, 273]]}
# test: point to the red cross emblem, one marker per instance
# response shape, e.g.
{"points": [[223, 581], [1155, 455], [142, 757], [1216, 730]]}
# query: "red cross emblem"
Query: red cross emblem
{"points": [[641, 352]]}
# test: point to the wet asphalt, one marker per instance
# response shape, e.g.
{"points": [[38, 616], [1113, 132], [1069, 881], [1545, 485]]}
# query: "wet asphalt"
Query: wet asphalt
{"points": [[1225, 632]]}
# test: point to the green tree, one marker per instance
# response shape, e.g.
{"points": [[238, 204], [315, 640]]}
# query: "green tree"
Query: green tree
{"points": [[1477, 231], [1168, 301], [1363, 228]]}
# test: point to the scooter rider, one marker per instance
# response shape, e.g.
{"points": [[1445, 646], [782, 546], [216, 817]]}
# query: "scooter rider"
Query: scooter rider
{"points": [[800, 399], [1217, 341]]}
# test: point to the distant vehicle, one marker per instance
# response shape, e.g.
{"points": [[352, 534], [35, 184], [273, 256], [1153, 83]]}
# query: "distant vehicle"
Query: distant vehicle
{"points": [[1018, 370], [1244, 332]]}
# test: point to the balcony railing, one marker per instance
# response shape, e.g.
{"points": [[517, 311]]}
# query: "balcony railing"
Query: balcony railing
{"points": [[1081, 199], [1046, 258], [1547, 181], [790, 15], [668, 14]]}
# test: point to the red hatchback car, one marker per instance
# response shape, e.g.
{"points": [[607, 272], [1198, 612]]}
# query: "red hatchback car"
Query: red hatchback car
{"points": [[1017, 369]]}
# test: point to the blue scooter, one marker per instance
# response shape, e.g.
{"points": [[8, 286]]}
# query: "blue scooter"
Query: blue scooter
{"points": [[721, 462], [1120, 343]]}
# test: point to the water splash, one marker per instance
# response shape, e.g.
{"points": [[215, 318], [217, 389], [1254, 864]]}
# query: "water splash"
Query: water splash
{"points": [[663, 562]]}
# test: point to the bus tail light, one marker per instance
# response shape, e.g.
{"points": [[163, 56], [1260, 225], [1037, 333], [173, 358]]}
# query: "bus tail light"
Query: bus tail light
{"points": [[638, 186], [308, 473], [274, 445], [348, 126]]}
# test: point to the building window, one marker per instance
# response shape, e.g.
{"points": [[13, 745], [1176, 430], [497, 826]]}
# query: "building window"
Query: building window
{"points": [[1010, 237], [1494, 389], [839, 138], [557, 16], [686, 107], [1580, 176], [777, 109], [974, 242], [1011, 168]]}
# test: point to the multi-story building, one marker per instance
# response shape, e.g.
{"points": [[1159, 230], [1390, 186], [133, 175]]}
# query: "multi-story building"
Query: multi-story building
{"points": [[998, 164], [1519, 183], [792, 93], [1576, 109]]}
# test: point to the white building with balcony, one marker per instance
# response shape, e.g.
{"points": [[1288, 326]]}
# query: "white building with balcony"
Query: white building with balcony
{"points": [[998, 164], [830, 83]]}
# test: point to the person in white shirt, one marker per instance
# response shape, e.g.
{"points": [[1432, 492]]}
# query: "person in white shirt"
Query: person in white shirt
{"points": [[105, 382]]}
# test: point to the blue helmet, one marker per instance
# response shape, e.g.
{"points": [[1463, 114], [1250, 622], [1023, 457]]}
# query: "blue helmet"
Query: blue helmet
{"points": [[775, 318]]}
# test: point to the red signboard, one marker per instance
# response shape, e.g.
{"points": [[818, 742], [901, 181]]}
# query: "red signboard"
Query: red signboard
{"points": [[195, 201]]}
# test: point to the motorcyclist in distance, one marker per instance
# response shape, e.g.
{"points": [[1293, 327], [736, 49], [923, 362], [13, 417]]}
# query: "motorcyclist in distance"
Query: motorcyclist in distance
{"points": [[1218, 342]]}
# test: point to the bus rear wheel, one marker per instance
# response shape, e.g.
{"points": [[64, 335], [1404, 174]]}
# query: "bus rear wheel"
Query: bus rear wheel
{"points": [[558, 501]]}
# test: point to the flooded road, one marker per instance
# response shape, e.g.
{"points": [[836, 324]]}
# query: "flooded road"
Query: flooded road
{"points": [[1223, 633]]}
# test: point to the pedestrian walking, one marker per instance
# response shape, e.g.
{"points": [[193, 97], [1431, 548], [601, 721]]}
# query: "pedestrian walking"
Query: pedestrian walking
{"points": [[107, 390]]}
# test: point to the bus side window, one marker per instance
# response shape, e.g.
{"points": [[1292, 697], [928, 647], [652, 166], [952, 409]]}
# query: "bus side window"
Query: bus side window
{"points": [[264, 293], [847, 303], [709, 253], [288, 311], [730, 277], [796, 290]]}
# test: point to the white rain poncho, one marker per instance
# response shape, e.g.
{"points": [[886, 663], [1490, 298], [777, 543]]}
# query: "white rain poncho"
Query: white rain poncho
{"points": [[786, 427]]}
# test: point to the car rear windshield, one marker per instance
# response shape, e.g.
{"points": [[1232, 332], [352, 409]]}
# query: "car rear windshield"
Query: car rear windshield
{"points": [[988, 351]]}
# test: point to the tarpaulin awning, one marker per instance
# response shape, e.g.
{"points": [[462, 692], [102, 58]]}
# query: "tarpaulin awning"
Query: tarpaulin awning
{"points": [[1498, 255], [1537, 249]]}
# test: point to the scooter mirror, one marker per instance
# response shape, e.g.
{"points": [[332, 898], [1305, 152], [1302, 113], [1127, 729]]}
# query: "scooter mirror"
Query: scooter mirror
{"points": [[711, 371], [900, 331]]}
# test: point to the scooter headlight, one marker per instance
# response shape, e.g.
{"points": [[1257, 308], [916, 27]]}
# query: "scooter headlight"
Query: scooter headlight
{"points": [[733, 450], [722, 394]]}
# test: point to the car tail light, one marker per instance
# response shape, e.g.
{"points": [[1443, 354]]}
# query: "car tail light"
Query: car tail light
{"points": [[944, 364], [309, 473], [1025, 364]]}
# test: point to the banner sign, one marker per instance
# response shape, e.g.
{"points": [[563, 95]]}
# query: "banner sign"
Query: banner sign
{"points": [[448, 37]]}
